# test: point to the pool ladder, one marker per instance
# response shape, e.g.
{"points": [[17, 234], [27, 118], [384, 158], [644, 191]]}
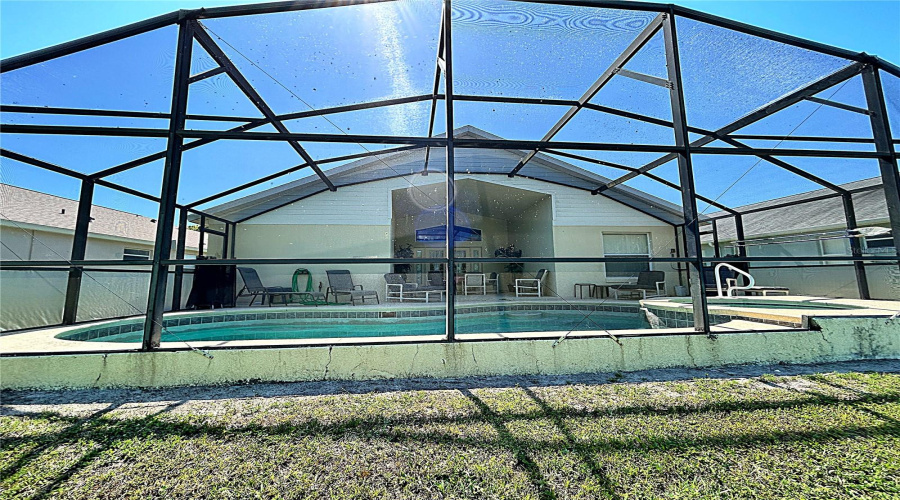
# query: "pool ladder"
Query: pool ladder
{"points": [[732, 286]]}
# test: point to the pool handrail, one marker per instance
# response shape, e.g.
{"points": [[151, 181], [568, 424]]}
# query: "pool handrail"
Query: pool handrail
{"points": [[731, 288]]}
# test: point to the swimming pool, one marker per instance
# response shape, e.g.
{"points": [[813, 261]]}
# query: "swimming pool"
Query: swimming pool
{"points": [[280, 325]]}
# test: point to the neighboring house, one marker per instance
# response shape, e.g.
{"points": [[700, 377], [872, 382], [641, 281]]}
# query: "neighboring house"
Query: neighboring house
{"points": [[37, 226], [812, 229], [385, 206], [40, 226]]}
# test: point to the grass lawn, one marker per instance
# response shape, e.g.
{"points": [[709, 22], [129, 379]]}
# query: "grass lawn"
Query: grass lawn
{"points": [[816, 435]]}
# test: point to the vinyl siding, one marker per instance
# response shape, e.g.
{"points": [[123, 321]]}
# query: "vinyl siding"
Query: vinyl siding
{"points": [[369, 203]]}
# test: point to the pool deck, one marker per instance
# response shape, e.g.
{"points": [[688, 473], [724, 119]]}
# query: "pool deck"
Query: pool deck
{"points": [[799, 316], [44, 340]]}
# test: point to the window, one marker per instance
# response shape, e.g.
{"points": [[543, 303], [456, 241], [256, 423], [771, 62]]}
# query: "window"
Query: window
{"points": [[880, 245], [135, 254], [626, 245]]}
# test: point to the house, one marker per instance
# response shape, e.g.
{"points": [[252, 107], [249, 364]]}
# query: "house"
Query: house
{"points": [[393, 205], [809, 225], [37, 226]]}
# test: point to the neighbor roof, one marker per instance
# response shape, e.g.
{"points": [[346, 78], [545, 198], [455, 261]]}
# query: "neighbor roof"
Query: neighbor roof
{"points": [[468, 161], [25, 206], [800, 217]]}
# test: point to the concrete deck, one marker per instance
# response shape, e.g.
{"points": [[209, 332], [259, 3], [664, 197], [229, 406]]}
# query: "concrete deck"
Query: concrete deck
{"points": [[44, 340]]}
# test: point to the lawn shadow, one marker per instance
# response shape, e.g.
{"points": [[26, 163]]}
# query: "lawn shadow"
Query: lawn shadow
{"points": [[108, 431]]}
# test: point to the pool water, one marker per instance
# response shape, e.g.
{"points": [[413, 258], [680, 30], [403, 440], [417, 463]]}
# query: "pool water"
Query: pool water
{"points": [[494, 322]]}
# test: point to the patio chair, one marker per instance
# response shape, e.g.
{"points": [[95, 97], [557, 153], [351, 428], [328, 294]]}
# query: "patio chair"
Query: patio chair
{"points": [[341, 283], [254, 287], [436, 279], [653, 282], [531, 286], [493, 278], [476, 282], [396, 287]]}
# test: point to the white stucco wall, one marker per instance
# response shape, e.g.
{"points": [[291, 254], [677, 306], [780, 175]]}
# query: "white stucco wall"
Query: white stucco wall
{"points": [[356, 221]]}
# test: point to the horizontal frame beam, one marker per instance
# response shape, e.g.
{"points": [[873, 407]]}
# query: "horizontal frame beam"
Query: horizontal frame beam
{"points": [[425, 141], [838, 105], [641, 77], [585, 260], [114, 113], [206, 74]]}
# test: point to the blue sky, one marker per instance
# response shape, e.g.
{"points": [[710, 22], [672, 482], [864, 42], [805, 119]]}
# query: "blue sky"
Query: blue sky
{"points": [[376, 52], [864, 26]]}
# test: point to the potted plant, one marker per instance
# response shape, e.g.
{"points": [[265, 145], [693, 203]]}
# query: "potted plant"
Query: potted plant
{"points": [[514, 268], [401, 252]]}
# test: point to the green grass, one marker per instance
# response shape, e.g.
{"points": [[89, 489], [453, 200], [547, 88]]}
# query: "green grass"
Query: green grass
{"points": [[818, 436]]}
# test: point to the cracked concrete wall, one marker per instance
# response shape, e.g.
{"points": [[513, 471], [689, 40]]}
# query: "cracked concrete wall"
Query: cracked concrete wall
{"points": [[839, 339]]}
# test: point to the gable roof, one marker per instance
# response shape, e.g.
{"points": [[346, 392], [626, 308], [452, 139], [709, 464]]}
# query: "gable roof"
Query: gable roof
{"points": [[468, 161], [799, 217], [25, 206]]}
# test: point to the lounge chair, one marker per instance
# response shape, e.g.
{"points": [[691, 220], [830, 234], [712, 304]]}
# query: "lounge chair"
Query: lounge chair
{"points": [[531, 286], [653, 282], [396, 287], [728, 278], [254, 287], [341, 283]]}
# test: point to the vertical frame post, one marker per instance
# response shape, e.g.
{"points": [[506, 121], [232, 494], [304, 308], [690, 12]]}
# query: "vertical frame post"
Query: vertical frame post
{"points": [[202, 235], [451, 187], [881, 131], [862, 281], [233, 239], [79, 249], [715, 235], [178, 284], [171, 173], [678, 254], [686, 176], [225, 241]]}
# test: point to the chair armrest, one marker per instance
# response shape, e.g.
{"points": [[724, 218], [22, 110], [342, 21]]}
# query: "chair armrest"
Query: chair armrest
{"points": [[660, 287], [533, 280], [357, 286]]}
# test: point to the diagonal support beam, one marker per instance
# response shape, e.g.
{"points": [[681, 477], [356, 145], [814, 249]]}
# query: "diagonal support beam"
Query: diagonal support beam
{"points": [[232, 71], [632, 49], [259, 122], [775, 106], [437, 85], [295, 168], [790, 168], [658, 179], [128, 165], [12, 155]]}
